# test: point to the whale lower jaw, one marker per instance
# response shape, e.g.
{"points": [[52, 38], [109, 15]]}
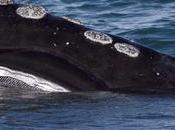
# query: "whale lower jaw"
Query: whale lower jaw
{"points": [[22, 79]]}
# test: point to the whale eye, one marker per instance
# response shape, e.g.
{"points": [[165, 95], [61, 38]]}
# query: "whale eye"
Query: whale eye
{"points": [[76, 21], [98, 37], [127, 49], [31, 12], [6, 2]]}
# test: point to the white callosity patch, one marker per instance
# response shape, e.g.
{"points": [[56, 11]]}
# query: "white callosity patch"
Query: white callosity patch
{"points": [[76, 21], [32, 80], [127, 49], [31, 12], [98, 37], [6, 2]]}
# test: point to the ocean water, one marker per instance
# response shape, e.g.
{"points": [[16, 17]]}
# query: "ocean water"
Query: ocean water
{"points": [[150, 23]]}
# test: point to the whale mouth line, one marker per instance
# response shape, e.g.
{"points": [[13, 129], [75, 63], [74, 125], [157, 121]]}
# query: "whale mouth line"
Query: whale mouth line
{"points": [[31, 80]]}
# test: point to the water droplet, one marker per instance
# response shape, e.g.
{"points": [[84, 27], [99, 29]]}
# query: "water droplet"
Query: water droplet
{"points": [[67, 43], [55, 45], [157, 74]]}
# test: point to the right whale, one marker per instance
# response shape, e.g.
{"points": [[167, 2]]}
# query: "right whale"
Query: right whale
{"points": [[41, 50]]}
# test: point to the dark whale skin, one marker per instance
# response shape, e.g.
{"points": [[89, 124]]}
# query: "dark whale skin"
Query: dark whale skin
{"points": [[40, 47]]}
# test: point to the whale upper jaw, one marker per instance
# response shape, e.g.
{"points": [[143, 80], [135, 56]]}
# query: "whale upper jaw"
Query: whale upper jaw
{"points": [[60, 54]]}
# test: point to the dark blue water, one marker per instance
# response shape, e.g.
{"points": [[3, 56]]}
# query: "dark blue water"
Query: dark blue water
{"points": [[149, 22]]}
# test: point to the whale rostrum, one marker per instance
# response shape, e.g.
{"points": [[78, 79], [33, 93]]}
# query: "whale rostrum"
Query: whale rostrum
{"points": [[59, 54]]}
